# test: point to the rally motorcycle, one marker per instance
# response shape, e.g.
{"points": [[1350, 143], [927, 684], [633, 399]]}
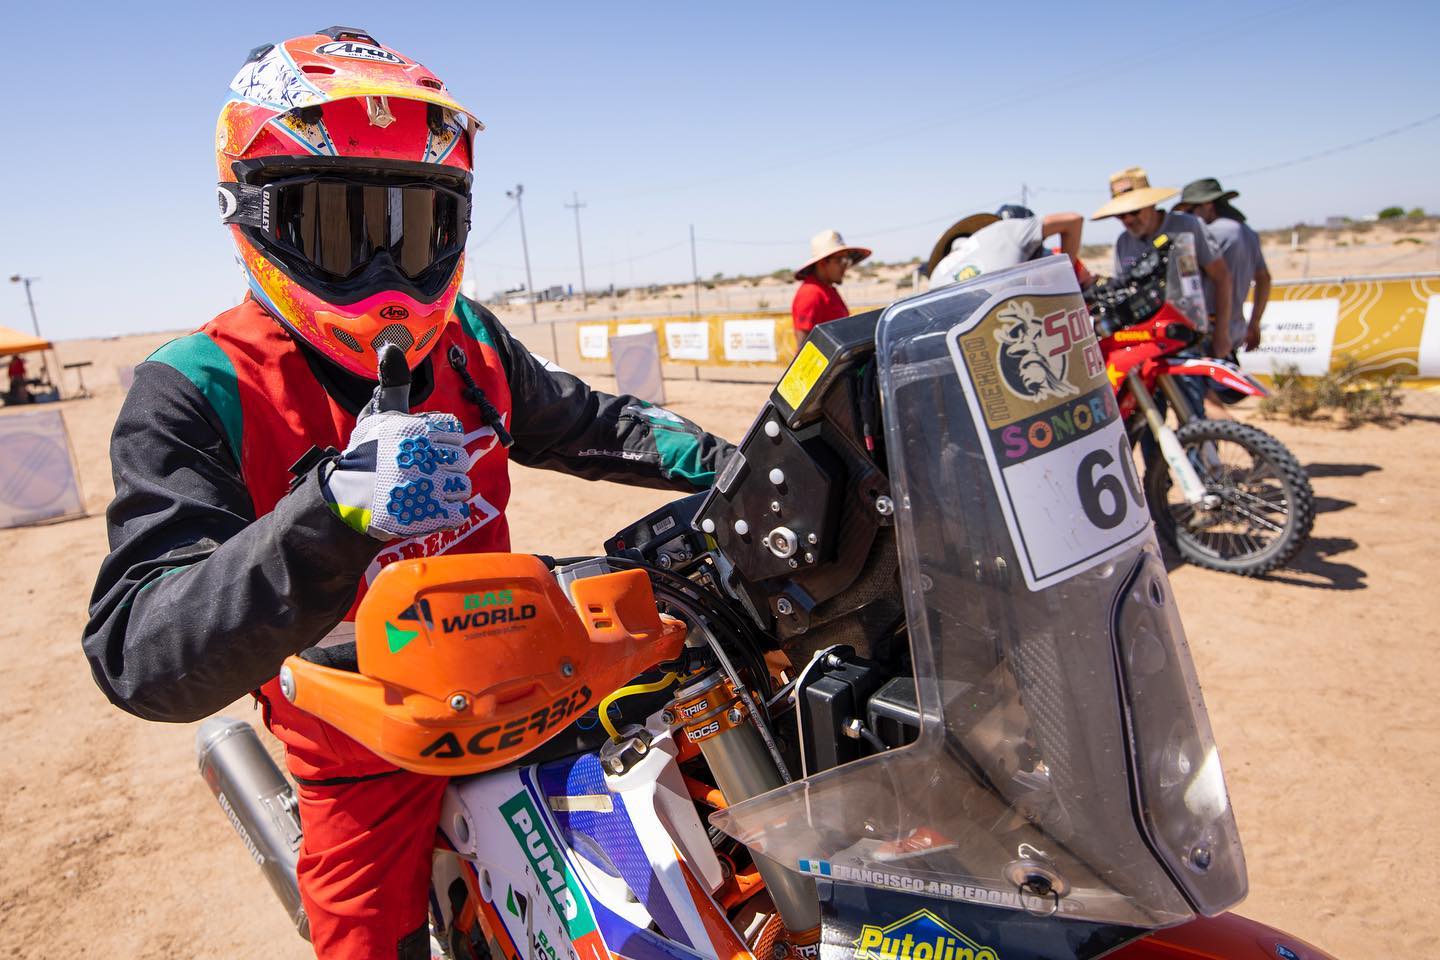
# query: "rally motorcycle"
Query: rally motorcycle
{"points": [[893, 689], [1227, 495]]}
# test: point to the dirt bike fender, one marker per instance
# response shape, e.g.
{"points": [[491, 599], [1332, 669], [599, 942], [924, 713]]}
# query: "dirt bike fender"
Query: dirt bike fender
{"points": [[1223, 372]]}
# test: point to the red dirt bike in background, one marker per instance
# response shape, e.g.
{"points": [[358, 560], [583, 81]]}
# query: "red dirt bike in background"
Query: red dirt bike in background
{"points": [[1226, 495]]}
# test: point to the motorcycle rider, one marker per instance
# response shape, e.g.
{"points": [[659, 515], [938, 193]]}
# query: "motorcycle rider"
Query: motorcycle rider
{"points": [[1134, 202], [239, 535]]}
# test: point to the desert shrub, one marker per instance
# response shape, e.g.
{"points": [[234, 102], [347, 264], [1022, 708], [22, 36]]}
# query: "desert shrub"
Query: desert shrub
{"points": [[1392, 213], [1345, 394], [762, 304], [1417, 214], [905, 282], [784, 275]]}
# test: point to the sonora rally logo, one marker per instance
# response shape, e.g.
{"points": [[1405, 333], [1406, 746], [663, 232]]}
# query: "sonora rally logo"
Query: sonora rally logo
{"points": [[357, 51], [920, 936]]}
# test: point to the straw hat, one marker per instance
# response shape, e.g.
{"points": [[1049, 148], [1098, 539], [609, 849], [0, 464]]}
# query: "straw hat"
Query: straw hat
{"points": [[961, 228], [1130, 190], [829, 242]]}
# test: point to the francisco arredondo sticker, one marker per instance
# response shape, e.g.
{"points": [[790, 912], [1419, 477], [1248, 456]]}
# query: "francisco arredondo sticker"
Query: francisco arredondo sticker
{"points": [[1050, 428]]}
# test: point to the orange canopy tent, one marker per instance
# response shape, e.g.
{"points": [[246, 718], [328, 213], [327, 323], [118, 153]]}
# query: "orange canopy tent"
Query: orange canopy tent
{"points": [[13, 341]]}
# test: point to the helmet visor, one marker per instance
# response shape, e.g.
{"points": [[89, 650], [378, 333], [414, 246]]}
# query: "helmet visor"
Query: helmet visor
{"points": [[331, 226]]}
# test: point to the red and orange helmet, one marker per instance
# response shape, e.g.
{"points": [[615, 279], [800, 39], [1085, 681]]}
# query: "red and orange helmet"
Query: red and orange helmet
{"points": [[345, 181]]}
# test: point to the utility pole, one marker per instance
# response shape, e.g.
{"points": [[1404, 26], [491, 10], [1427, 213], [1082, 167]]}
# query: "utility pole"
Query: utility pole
{"points": [[34, 321], [1025, 196], [525, 246], [584, 296], [694, 270]]}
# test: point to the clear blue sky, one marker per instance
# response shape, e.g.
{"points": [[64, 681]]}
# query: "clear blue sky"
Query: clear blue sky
{"points": [[760, 123]]}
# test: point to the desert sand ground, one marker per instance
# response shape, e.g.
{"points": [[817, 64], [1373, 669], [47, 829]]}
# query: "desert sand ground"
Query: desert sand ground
{"points": [[1318, 681]]}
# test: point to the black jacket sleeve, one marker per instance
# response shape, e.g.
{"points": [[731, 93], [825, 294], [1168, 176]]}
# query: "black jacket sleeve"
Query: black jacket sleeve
{"points": [[199, 602], [560, 423]]}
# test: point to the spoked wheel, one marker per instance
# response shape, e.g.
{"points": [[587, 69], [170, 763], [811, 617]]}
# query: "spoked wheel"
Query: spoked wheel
{"points": [[1259, 506]]}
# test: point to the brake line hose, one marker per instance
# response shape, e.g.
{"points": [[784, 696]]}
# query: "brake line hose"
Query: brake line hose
{"points": [[627, 691]]}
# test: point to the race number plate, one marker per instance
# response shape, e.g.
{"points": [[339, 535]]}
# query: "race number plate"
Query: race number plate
{"points": [[1050, 427]]}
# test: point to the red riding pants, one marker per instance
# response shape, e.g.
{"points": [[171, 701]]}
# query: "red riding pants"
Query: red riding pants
{"points": [[365, 864]]}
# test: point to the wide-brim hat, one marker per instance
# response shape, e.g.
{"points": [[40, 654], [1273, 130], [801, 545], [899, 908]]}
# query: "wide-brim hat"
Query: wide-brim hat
{"points": [[828, 243], [960, 228], [1130, 190], [1206, 190]]}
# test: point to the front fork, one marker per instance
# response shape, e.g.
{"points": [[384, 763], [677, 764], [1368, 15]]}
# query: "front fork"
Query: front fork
{"points": [[1180, 466]]}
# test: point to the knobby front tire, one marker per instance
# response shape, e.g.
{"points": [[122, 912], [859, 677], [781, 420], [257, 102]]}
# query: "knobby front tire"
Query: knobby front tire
{"points": [[1267, 507]]}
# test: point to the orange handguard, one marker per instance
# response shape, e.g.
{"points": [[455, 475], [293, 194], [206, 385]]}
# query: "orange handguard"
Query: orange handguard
{"points": [[468, 662]]}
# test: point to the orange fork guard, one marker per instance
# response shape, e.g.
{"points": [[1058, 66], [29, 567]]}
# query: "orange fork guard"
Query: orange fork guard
{"points": [[468, 662]]}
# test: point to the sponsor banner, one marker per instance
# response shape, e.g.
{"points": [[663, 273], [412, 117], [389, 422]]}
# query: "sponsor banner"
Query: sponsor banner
{"points": [[1429, 358], [687, 340], [1294, 333], [1050, 429], [1387, 326], [751, 341], [38, 480], [594, 340], [711, 339], [631, 329]]}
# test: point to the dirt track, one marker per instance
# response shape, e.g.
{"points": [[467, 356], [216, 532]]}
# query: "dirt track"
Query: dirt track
{"points": [[1318, 682]]}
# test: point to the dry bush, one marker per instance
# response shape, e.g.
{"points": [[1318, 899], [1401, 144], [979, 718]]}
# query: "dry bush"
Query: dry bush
{"points": [[1344, 395]]}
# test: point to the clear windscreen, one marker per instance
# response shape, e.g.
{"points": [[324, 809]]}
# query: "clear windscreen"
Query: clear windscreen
{"points": [[1065, 762], [1184, 286]]}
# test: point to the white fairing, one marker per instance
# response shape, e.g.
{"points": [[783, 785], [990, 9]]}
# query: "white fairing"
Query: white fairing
{"points": [[572, 861]]}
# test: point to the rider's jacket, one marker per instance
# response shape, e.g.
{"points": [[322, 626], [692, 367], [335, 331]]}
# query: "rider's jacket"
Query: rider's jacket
{"points": [[218, 570]]}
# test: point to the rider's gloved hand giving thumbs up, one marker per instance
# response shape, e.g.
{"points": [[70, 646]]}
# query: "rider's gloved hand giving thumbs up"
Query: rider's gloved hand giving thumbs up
{"points": [[403, 474]]}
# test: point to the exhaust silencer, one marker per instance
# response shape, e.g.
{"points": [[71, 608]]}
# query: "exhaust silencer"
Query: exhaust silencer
{"points": [[259, 803]]}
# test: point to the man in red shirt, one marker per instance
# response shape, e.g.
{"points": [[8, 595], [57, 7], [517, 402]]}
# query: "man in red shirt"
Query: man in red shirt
{"points": [[19, 392], [817, 300]]}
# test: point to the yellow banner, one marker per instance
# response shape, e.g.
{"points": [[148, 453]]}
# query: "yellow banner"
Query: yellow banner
{"points": [[1388, 325], [712, 339]]}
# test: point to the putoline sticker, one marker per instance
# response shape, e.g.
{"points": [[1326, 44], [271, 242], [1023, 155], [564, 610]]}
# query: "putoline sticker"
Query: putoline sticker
{"points": [[1050, 427], [37, 474]]}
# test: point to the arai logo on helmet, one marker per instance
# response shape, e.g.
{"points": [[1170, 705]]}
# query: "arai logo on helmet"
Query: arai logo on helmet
{"points": [[357, 51], [394, 312]]}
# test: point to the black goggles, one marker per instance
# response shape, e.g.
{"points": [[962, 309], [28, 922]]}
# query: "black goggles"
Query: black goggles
{"points": [[337, 224]]}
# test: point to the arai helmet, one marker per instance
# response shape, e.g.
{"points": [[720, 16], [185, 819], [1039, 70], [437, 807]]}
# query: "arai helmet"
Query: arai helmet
{"points": [[344, 172]]}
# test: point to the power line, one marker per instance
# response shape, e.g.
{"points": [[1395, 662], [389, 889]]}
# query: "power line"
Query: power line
{"points": [[1334, 150], [1067, 81], [863, 234], [644, 256], [477, 244]]}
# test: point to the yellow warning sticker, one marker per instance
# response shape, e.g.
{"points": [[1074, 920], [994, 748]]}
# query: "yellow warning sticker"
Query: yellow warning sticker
{"points": [[801, 376]]}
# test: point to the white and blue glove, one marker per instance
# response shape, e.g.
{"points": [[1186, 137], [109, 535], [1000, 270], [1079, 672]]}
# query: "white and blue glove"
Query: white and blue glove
{"points": [[403, 474]]}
